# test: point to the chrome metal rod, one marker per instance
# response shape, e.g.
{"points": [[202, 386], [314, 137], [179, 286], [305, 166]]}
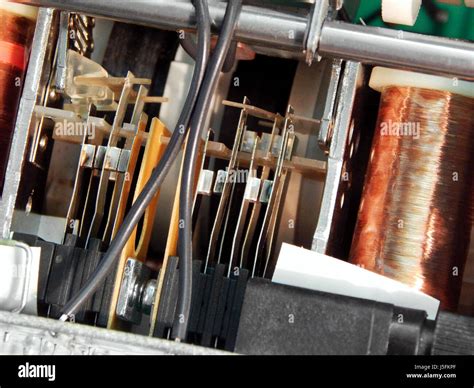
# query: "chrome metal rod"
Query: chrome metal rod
{"points": [[381, 46], [288, 33], [256, 25]]}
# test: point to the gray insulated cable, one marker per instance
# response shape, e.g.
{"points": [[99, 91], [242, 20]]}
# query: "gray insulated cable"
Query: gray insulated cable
{"points": [[197, 130]]}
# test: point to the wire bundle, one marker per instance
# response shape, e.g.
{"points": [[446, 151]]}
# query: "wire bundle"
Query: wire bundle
{"points": [[197, 130], [196, 111]]}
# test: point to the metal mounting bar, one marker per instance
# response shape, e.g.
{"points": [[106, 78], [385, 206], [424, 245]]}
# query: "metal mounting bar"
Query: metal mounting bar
{"points": [[382, 46], [256, 25], [288, 32]]}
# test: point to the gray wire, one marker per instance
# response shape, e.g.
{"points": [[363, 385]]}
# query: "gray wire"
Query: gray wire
{"points": [[197, 129], [189, 46], [137, 210]]}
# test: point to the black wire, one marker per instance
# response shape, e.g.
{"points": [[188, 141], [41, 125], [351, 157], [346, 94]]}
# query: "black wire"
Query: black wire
{"points": [[137, 210], [432, 10], [189, 46], [197, 128], [373, 16]]}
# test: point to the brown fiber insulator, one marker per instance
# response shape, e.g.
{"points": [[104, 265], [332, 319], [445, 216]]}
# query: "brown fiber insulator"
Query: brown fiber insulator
{"points": [[15, 36], [416, 212]]}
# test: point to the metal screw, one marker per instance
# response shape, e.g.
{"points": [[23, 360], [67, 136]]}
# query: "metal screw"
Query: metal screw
{"points": [[143, 296], [43, 143], [29, 205], [137, 292], [53, 95], [148, 296]]}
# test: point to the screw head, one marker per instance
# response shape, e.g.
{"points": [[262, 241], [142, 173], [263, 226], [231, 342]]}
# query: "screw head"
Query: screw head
{"points": [[148, 296], [43, 143]]}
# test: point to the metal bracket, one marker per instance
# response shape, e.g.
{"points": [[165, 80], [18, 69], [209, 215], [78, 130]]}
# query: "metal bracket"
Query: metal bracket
{"points": [[327, 120], [62, 51], [319, 13]]}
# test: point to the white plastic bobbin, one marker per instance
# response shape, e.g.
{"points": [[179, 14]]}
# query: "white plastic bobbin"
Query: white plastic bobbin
{"points": [[20, 9], [400, 11], [382, 77]]}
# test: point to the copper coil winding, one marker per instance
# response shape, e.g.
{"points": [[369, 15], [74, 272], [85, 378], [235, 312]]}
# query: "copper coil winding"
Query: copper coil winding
{"points": [[416, 212], [15, 35]]}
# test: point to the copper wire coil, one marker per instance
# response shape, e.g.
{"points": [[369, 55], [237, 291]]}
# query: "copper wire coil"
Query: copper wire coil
{"points": [[15, 35], [415, 217]]}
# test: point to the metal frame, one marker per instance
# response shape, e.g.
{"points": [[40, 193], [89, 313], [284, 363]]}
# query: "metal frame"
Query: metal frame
{"points": [[24, 334], [34, 83]]}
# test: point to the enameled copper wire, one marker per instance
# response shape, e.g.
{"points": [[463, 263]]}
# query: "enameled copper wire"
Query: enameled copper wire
{"points": [[416, 212]]}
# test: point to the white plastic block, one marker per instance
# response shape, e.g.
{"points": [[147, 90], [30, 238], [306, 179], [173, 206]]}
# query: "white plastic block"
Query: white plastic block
{"points": [[299, 267], [400, 11], [382, 77]]}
